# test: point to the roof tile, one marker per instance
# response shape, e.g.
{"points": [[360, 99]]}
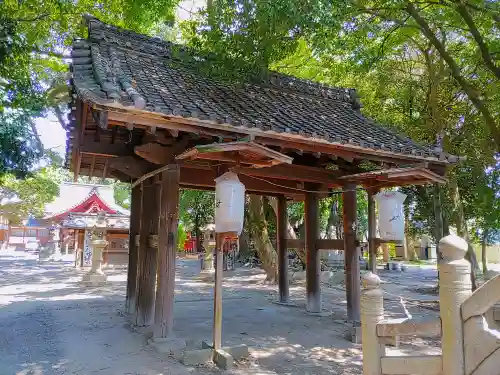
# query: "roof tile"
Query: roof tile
{"points": [[128, 68]]}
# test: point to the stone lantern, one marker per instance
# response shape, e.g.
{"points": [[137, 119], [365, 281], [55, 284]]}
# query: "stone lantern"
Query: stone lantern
{"points": [[96, 276]]}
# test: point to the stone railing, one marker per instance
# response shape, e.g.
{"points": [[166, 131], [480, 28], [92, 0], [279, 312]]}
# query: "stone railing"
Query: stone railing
{"points": [[469, 347]]}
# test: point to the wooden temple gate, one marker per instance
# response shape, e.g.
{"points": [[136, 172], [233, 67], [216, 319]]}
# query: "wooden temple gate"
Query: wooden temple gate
{"points": [[141, 113]]}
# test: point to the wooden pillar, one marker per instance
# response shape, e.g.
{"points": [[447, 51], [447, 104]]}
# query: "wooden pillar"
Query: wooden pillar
{"points": [[217, 332], [281, 230], [147, 264], [167, 246], [352, 271], [313, 264], [135, 226], [372, 231]]}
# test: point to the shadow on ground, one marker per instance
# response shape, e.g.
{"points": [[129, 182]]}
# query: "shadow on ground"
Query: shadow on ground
{"points": [[52, 324]]}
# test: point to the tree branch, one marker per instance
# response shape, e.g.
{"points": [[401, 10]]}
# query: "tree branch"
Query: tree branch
{"points": [[483, 47], [469, 89]]}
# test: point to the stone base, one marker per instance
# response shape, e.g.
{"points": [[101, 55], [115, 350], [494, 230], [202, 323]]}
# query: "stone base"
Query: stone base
{"points": [[94, 279], [355, 335], [207, 275], [320, 314], [287, 303], [225, 357], [173, 346]]}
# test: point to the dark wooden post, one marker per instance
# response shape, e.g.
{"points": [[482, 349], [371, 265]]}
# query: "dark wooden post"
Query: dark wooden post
{"points": [[352, 272], [282, 250], [147, 265], [135, 226], [313, 266], [167, 248], [372, 230]]}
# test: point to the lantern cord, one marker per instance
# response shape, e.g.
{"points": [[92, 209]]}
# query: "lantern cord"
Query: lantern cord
{"points": [[168, 166], [309, 191]]}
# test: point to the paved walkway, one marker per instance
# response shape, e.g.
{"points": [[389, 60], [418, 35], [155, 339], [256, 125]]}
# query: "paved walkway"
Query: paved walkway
{"points": [[51, 324]]}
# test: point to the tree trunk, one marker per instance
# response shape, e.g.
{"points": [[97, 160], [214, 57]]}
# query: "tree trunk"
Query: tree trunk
{"points": [[463, 232], [260, 235], [409, 237], [475, 95], [301, 253], [197, 234], [484, 247], [333, 225]]}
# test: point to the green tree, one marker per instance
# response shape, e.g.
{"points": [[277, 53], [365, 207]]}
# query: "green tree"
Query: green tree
{"points": [[22, 198], [196, 210], [35, 37]]}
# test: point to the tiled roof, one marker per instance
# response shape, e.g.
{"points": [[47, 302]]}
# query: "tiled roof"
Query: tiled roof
{"points": [[121, 68]]}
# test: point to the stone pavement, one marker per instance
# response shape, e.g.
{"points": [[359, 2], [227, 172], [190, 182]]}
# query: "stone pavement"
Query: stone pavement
{"points": [[51, 324]]}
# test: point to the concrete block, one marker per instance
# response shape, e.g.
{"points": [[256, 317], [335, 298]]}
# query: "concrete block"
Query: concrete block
{"points": [[207, 345], [197, 357], [94, 279], [321, 314], [237, 351], [194, 344], [355, 335], [325, 276], [390, 341], [168, 345], [207, 275], [299, 276], [223, 359], [496, 312]]}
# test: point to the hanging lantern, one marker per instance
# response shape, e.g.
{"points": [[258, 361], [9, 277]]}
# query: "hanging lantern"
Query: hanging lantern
{"points": [[391, 221], [229, 203]]}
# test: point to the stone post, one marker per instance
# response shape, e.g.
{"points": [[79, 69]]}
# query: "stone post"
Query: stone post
{"points": [[454, 288], [372, 312], [207, 262], [96, 276]]}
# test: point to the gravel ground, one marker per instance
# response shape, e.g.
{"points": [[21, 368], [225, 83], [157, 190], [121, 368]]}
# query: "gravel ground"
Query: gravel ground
{"points": [[51, 324]]}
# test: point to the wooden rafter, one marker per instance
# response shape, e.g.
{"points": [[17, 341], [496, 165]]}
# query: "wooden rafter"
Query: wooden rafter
{"points": [[247, 152]]}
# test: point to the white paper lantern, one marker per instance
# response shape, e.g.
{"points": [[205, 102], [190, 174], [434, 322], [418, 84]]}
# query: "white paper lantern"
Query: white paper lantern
{"points": [[391, 220], [229, 203]]}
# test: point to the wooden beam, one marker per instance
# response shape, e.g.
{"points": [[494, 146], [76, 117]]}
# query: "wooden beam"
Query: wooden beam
{"points": [[105, 170], [313, 264], [130, 165], [158, 154], [167, 248], [147, 264], [281, 139], [125, 118], [103, 120], [329, 244], [281, 233], [135, 227], [372, 230], [154, 153], [92, 147], [77, 168], [412, 365], [92, 165], [294, 172], [352, 270], [321, 244]]}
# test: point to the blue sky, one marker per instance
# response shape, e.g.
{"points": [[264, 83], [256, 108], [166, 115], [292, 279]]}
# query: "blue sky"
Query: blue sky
{"points": [[51, 132]]}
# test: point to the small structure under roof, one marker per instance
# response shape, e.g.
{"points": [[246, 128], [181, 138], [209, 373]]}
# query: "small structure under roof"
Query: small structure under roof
{"points": [[142, 112], [76, 212]]}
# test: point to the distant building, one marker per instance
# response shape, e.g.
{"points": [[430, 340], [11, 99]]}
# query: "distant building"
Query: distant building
{"points": [[75, 212]]}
